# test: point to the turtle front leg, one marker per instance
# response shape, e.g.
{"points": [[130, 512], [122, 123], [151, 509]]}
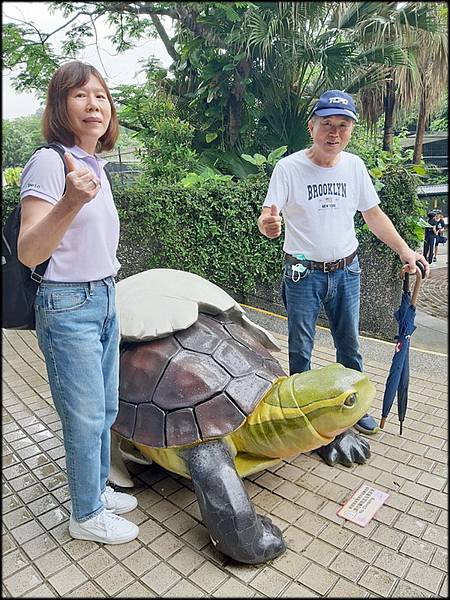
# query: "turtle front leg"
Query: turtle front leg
{"points": [[346, 449], [234, 527]]}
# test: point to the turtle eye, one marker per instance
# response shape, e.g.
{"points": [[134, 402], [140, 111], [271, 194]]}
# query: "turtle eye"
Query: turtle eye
{"points": [[350, 400]]}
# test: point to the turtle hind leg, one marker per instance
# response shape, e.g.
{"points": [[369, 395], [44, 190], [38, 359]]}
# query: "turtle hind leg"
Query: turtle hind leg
{"points": [[234, 527]]}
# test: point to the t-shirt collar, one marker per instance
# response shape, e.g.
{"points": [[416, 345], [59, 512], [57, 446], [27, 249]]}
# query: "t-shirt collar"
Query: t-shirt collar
{"points": [[80, 153]]}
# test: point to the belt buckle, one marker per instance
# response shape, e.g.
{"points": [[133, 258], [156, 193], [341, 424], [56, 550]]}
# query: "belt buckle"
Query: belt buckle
{"points": [[330, 267]]}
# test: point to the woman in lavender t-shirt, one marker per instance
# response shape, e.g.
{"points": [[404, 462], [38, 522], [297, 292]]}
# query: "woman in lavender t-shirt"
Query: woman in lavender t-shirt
{"points": [[73, 220]]}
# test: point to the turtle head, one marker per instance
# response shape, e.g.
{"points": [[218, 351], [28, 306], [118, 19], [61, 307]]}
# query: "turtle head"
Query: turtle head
{"points": [[331, 399]]}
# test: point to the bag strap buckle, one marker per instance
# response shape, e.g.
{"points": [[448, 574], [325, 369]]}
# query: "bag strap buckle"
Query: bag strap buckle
{"points": [[36, 277]]}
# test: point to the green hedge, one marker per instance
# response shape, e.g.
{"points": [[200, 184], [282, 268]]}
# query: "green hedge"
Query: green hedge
{"points": [[212, 230]]}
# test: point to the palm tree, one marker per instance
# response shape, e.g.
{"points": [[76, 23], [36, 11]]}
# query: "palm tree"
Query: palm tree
{"points": [[415, 28]]}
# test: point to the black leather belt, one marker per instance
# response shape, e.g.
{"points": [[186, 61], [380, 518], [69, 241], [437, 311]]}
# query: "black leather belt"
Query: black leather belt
{"points": [[326, 267]]}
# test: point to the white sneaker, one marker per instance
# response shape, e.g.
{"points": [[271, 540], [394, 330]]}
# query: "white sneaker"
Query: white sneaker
{"points": [[118, 502], [105, 527]]}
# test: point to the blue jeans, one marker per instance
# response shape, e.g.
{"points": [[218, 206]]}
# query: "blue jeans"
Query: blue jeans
{"points": [[78, 333], [339, 292]]}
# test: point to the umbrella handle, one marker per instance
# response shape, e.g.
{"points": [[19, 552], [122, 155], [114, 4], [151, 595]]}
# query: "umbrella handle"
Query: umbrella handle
{"points": [[417, 283]]}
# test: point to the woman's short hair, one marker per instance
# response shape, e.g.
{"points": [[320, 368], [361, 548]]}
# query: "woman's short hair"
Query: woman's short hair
{"points": [[55, 120]]}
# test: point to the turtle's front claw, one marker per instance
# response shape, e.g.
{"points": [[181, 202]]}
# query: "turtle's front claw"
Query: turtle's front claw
{"points": [[346, 449]]}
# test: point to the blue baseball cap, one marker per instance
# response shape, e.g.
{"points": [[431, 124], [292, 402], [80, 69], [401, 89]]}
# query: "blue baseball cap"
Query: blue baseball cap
{"points": [[335, 102]]}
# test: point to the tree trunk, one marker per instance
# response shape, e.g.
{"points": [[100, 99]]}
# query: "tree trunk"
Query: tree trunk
{"points": [[420, 130], [389, 103], [236, 101]]}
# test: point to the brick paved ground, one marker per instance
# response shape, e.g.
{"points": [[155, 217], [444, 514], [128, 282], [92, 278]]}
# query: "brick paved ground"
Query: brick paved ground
{"points": [[401, 553], [433, 296]]}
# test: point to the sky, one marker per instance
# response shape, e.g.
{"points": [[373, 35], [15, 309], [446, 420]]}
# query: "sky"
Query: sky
{"points": [[117, 69]]}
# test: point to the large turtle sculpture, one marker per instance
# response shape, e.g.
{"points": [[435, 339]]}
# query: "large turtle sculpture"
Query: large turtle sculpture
{"points": [[201, 395]]}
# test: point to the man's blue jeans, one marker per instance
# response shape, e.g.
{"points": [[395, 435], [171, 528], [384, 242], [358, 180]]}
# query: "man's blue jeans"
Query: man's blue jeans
{"points": [[78, 333], [339, 292]]}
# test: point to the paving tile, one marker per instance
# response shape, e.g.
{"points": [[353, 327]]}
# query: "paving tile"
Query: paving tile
{"points": [[432, 481], [184, 589], [320, 552], [404, 589], [166, 545], [296, 540], [67, 579], [336, 535], [87, 590], [388, 536], [295, 590], [440, 559], [14, 561], [43, 591], [38, 546], [114, 579], [160, 579], [424, 511], [378, 581], [22, 582], [180, 523], [231, 589], [348, 566], [392, 562], [52, 562], [345, 589], [141, 561], [96, 562], [290, 563], [149, 531], [26, 532], [311, 501], [363, 549], [17, 517], [437, 499], [198, 537], [186, 560], [53, 517], [122, 550], [436, 535], [425, 576], [417, 549], [76, 549], [410, 525], [136, 590], [318, 579], [208, 577]]}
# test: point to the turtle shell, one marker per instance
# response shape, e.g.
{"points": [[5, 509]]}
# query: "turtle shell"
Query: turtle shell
{"points": [[194, 385]]}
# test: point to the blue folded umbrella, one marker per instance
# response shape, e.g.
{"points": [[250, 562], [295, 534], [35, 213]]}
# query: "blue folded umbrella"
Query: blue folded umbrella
{"points": [[398, 379]]}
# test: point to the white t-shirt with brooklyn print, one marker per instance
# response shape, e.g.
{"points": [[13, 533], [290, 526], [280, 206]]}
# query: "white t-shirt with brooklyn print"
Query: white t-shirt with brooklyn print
{"points": [[318, 204]]}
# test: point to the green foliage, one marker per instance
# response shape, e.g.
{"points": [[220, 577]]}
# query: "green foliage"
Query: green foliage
{"points": [[209, 230], [21, 137], [199, 179], [10, 198], [166, 139], [399, 200], [12, 175], [262, 162]]}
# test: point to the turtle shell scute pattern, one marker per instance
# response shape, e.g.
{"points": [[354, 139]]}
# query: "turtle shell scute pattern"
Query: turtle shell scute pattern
{"points": [[197, 384]]}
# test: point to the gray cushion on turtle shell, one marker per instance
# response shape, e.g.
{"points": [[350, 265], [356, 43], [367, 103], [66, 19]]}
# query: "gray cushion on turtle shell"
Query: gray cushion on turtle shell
{"points": [[157, 302]]}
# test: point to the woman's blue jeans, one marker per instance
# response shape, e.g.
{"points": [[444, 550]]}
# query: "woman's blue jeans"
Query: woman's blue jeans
{"points": [[339, 293], [78, 333]]}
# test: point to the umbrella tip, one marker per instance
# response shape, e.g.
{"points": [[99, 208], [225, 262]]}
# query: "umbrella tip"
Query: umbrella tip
{"points": [[382, 422], [401, 427]]}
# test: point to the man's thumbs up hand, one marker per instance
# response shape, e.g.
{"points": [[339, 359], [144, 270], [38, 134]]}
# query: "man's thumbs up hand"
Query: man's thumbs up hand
{"points": [[270, 222]]}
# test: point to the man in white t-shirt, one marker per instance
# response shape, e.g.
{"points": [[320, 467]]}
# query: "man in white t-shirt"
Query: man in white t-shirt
{"points": [[318, 191]]}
